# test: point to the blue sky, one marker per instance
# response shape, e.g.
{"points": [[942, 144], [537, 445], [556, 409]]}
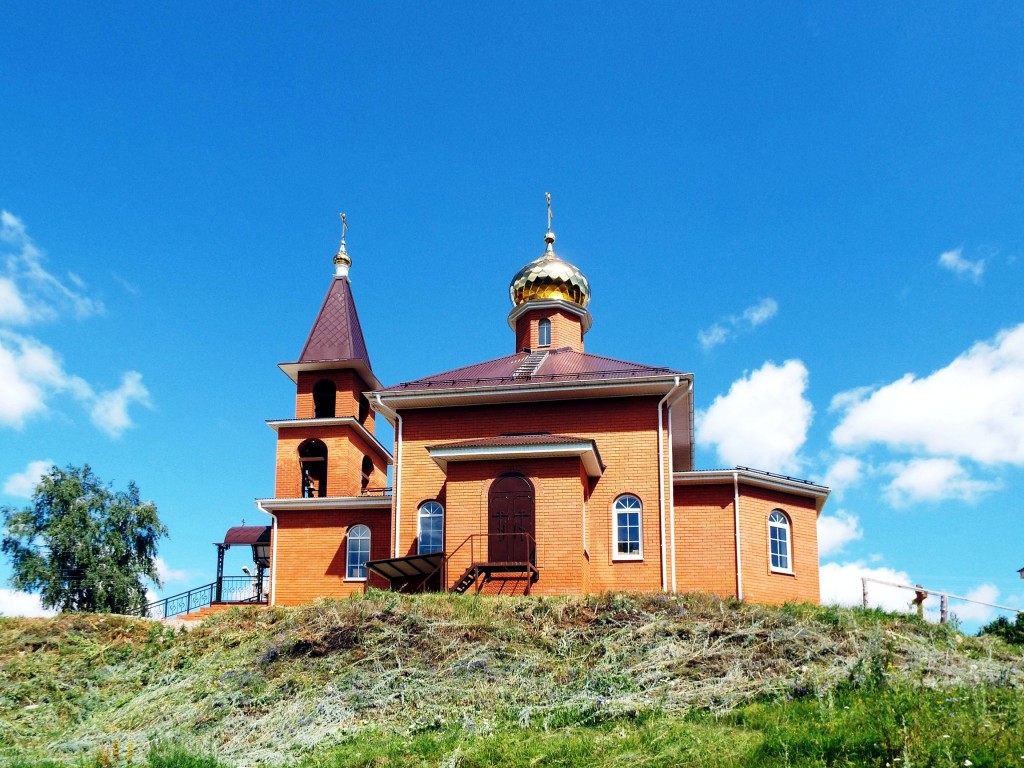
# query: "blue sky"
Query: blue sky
{"points": [[815, 208]]}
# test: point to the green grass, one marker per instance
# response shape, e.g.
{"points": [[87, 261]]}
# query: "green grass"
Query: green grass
{"points": [[389, 680]]}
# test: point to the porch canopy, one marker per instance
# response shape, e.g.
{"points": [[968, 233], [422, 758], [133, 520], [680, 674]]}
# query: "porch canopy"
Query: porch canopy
{"points": [[407, 567]]}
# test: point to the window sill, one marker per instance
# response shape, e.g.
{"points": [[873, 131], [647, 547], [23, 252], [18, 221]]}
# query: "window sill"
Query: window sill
{"points": [[781, 571], [355, 581], [627, 558]]}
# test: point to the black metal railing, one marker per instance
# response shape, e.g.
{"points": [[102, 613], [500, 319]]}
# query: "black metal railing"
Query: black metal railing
{"points": [[229, 589]]}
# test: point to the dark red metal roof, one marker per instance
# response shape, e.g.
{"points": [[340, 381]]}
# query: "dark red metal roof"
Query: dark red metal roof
{"points": [[247, 535], [336, 334], [563, 364], [511, 440]]}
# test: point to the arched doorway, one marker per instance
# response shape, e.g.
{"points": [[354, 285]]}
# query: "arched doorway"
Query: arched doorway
{"points": [[511, 523]]}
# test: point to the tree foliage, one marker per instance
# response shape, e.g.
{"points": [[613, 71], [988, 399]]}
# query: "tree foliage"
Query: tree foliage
{"points": [[1011, 632], [83, 546]]}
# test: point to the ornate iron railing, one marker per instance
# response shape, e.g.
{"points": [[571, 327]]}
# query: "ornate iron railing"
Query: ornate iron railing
{"points": [[230, 589]]}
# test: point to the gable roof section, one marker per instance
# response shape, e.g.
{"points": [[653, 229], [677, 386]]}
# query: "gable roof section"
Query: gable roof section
{"points": [[336, 339], [558, 365]]}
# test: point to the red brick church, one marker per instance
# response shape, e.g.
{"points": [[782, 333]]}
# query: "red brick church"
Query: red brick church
{"points": [[548, 470]]}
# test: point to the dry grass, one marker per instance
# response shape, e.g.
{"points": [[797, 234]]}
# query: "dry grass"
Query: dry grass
{"points": [[265, 686]]}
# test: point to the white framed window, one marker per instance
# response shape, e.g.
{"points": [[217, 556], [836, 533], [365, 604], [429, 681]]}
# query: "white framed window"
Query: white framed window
{"points": [[780, 557], [357, 553], [544, 333], [627, 528], [431, 528]]}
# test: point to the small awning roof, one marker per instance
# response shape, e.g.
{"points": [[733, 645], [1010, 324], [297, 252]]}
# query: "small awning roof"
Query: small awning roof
{"points": [[247, 535], [520, 446], [406, 567]]}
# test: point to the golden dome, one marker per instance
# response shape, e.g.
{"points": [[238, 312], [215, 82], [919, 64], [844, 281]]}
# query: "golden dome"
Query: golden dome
{"points": [[549, 277]]}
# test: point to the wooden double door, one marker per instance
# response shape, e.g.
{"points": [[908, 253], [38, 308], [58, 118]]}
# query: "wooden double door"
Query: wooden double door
{"points": [[511, 520]]}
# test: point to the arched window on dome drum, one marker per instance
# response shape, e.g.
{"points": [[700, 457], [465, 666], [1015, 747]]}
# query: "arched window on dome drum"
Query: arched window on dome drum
{"points": [[313, 468], [325, 397], [779, 542], [357, 552], [431, 528], [367, 470], [627, 526], [544, 333]]}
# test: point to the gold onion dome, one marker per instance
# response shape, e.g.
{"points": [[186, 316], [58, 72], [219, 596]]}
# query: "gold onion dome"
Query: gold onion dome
{"points": [[550, 277]]}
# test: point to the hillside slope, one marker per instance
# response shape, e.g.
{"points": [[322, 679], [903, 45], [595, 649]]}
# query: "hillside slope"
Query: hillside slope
{"points": [[266, 687]]}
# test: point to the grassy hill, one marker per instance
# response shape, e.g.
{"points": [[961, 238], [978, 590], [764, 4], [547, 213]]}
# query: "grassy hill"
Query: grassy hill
{"points": [[389, 680]]}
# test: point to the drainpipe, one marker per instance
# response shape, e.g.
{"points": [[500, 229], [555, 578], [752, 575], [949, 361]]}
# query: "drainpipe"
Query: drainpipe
{"points": [[395, 418], [671, 496], [273, 551], [736, 516], [661, 481]]}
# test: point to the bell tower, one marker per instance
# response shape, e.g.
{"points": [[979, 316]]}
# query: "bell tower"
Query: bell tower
{"points": [[329, 450]]}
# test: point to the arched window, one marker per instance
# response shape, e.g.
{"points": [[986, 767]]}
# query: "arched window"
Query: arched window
{"points": [[357, 552], [325, 396], [431, 530], [544, 333], [364, 408], [779, 542], [313, 466], [627, 524], [367, 470]]}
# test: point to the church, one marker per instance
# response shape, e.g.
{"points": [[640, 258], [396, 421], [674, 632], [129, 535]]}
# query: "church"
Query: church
{"points": [[546, 470]]}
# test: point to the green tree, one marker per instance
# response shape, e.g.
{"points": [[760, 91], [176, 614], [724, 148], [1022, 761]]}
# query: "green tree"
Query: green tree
{"points": [[1012, 633], [83, 546]]}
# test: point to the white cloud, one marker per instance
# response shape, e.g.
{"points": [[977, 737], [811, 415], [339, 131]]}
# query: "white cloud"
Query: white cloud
{"points": [[14, 603], [836, 531], [33, 292], [110, 411], [24, 483], [955, 262], [973, 408], [761, 312], [168, 574], [751, 317], [841, 585], [972, 612], [31, 372], [931, 480], [846, 472], [762, 421]]}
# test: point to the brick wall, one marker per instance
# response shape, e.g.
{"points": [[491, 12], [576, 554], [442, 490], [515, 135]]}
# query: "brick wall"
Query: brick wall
{"points": [[706, 543], [311, 551], [566, 329], [625, 431], [350, 388], [345, 451]]}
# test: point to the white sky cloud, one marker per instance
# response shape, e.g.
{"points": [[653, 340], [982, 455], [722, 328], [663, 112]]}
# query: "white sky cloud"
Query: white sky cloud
{"points": [[110, 411], [32, 373], [973, 408], [972, 612], [34, 293], [844, 473], [932, 480], [14, 603], [836, 531], [24, 483], [168, 575], [955, 262], [841, 585], [762, 421], [751, 317]]}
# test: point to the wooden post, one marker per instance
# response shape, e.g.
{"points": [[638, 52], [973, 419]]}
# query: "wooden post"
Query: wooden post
{"points": [[943, 609], [919, 597], [864, 592]]}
